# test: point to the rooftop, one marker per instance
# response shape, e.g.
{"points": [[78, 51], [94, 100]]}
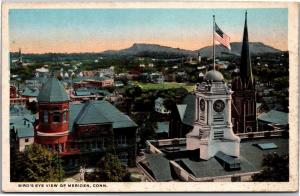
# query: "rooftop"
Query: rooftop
{"points": [[274, 117], [30, 92], [98, 112], [251, 156], [53, 91], [162, 171], [214, 75], [186, 110]]}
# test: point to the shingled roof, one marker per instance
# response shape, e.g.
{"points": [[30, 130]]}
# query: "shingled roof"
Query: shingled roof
{"points": [[98, 112], [89, 114], [160, 167], [274, 117], [53, 91]]}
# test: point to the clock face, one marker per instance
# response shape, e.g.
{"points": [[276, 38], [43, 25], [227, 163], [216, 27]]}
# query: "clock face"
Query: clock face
{"points": [[202, 104], [219, 106]]}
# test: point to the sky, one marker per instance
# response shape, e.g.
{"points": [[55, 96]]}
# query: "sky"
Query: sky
{"points": [[96, 30]]}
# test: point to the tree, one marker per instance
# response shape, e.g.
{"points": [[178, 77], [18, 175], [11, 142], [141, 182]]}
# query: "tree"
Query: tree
{"points": [[36, 164], [109, 169], [275, 169]]}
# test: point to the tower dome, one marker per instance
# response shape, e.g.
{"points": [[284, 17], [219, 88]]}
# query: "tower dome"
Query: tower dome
{"points": [[214, 75], [53, 91]]}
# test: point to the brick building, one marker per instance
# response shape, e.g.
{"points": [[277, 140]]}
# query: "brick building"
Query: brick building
{"points": [[82, 132]]}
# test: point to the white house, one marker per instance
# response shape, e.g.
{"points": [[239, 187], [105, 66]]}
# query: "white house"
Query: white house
{"points": [[159, 106]]}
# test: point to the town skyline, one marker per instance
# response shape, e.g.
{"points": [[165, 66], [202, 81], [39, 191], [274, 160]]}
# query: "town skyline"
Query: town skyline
{"points": [[98, 30]]}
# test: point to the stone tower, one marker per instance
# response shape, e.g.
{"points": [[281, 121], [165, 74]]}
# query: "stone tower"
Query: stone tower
{"points": [[212, 130]]}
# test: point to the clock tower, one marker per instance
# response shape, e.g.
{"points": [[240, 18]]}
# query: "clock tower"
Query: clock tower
{"points": [[212, 130]]}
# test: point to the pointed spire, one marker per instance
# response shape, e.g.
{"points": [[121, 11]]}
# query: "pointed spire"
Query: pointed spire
{"points": [[20, 56], [245, 66]]}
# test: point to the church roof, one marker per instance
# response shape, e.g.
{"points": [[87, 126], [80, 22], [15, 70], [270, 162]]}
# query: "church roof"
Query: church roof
{"points": [[214, 75], [53, 91]]}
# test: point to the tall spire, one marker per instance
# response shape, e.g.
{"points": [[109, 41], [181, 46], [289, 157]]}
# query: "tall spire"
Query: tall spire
{"points": [[20, 56], [245, 66]]}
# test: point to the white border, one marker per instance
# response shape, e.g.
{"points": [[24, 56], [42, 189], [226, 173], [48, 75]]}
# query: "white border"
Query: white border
{"points": [[292, 185]]}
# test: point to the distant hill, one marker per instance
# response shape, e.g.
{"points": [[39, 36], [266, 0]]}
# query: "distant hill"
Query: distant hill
{"points": [[154, 50], [150, 50], [236, 47]]}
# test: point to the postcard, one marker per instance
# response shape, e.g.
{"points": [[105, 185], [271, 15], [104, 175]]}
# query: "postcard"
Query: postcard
{"points": [[150, 97]]}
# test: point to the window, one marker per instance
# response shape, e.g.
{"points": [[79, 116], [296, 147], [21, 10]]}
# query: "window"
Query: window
{"points": [[44, 116], [121, 140], [26, 140], [56, 117], [56, 147], [60, 148], [65, 116], [124, 158]]}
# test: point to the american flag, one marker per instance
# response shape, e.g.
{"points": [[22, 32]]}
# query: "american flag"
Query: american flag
{"points": [[221, 37]]}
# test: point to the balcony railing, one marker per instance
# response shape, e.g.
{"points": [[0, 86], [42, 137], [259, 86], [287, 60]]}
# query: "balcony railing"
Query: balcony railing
{"points": [[275, 133]]}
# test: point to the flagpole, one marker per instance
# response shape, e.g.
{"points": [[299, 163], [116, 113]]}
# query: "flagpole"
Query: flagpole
{"points": [[214, 41]]}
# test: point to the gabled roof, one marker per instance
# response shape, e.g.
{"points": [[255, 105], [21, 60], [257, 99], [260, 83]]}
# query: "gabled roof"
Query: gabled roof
{"points": [[25, 132], [99, 112], [160, 167], [30, 92], [89, 114], [187, 112], [119, 119], [275, 117], [53, 91], [181, 110]]}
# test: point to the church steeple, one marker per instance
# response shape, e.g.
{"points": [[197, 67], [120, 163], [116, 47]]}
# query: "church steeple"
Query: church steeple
{"points": [[245, 66]]}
